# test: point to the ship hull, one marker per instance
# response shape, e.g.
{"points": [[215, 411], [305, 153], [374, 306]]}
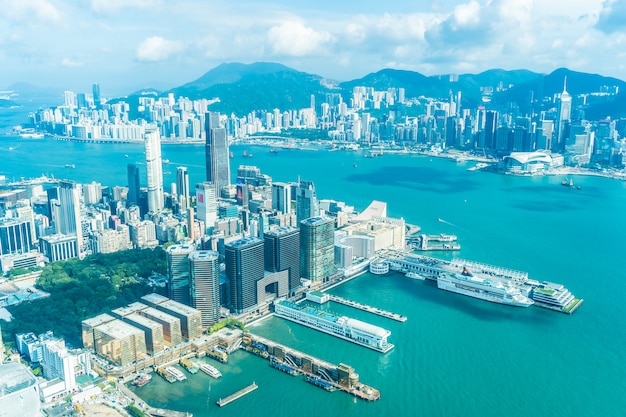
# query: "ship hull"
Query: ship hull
{"points": [[480, 293]]}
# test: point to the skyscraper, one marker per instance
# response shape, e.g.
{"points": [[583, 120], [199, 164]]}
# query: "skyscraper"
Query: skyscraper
{"points": [[306, 201], [244, 267], [205, 285], [68, 221], [154, 170], [281, 197], [15, 236], [317, 248], [565, 113], [206, 204], [178, 272], [182, 187], [97, 100], [216, 152], [282, 252]]}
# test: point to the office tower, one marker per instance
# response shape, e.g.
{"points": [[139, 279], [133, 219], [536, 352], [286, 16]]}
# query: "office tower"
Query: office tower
{"points": [[154, 170], [134, 190], [178, 272], [306, 201], [15, 236], [68, 221], [97, 100], [182, 187], [216, 152], [244, 267], [205, 285], [317, 248], [282, 252], [281, 197], [206, 204], [491, 124], [565, 111]]}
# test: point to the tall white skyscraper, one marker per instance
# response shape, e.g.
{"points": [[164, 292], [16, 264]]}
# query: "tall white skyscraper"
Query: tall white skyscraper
{"points": [[281, 197], [154, 169], [206, 203]]}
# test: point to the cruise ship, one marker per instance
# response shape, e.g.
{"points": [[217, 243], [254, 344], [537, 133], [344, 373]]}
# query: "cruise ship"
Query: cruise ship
{"points": [[175, 373], [210, 370], [346, 328], [485, 289]]}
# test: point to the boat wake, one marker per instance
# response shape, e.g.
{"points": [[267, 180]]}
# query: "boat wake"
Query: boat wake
{"points": [[443, 221]]}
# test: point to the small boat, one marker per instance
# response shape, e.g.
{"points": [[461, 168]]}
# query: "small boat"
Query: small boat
{"points": [[567, 183], [273, 150], [166, 161], [210, 370], [232, 155], [142, 380], [70, 166]]}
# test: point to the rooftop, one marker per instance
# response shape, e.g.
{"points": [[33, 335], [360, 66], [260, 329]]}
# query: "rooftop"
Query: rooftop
{"points": [[154, 298], [98, 320], [118, 329], [15, 377]]}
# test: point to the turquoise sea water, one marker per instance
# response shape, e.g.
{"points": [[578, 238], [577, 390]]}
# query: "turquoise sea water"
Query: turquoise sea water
{"points": [[455, 356]]}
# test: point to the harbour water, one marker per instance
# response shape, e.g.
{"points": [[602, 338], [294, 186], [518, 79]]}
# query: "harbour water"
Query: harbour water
{"points": [[455, 355]]}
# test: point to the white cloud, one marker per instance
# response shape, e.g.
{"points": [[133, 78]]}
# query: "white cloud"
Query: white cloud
{"points": [[27, 9], [296, 39], [157, 48], [110, 6], [467, 14], [69, 62]]}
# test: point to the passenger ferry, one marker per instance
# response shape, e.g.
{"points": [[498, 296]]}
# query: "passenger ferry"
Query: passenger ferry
{"points": [[492, 290], [355, 331], [210, 370], [176, 373]]}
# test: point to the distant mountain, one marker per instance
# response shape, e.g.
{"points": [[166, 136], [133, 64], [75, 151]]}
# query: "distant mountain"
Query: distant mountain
{"points": [[29, 91], [4, 103], [441, 86], [553, 83], [242, 88]]}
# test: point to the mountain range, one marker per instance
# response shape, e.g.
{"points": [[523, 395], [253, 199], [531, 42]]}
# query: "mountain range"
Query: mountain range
{"points": [[242, 88]]}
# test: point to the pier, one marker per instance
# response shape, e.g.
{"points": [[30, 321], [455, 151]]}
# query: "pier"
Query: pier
{"points": [[341, 377], [369, 309], [237, 395]]}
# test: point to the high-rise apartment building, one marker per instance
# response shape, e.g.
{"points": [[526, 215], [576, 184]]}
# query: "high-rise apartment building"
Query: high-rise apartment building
{"points": [[317, 248], [205, 285], [282, 252], [178, 272], [154, 170], [216, 152], [244, 267]]}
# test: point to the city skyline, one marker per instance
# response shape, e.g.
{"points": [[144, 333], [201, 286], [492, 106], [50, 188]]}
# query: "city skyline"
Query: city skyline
{"points": [[160, 44]]}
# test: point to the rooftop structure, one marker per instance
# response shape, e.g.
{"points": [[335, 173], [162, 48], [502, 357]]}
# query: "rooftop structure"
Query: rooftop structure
{"points": [[19, 393]]}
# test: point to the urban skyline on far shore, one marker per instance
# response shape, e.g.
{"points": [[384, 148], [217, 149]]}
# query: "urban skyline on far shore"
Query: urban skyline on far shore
{"points": [[159, 44]]}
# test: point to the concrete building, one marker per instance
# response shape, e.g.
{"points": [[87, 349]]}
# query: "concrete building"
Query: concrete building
{"points": [[206, 203], [59, 247], [61, 366], [172, 335], [153, 331], [19, 396], [15, 236], [217, 155], [306, 201], [119, 342], [190, 318]]}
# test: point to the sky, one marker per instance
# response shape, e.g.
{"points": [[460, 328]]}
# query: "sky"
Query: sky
{"points": [[125, 45]]}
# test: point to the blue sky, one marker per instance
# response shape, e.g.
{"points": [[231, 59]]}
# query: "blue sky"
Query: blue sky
{"points": [[128, 44]]}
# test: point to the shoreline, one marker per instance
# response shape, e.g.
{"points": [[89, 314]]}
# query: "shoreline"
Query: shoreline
{"points": [[373, 152]]}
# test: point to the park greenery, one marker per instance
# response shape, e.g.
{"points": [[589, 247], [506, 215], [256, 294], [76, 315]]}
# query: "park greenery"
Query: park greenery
{"points": [[81, 289], [229, 322]]}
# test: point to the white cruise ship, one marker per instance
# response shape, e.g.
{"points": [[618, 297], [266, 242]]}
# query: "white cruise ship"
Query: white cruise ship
{"points": [[176, 373], [492, 290], [210, 370]]}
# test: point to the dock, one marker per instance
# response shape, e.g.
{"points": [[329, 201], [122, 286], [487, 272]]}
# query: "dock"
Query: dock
{"points": [[340, 377], [369, 309], [237, 395]]}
